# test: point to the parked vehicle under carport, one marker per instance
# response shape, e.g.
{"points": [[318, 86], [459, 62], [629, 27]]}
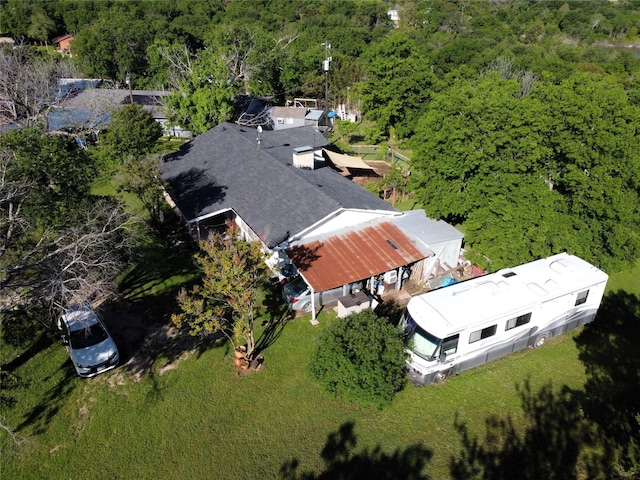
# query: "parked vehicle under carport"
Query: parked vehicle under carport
{"points": [[297, 294]]}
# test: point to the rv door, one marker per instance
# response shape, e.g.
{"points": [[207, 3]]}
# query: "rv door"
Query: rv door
{"points": [[449, 348]]}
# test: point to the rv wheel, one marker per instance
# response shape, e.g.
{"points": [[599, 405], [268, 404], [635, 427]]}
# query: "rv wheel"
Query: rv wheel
{"points": [[439, 377], [541, 340], [307, 307]]}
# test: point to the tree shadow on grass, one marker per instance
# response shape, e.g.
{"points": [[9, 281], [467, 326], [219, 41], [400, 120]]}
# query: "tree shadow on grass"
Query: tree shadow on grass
{"points": [[40, 416], [279, 314], [342, 462], [162, 269], [609, 348], [592, 433], [555, 441]]}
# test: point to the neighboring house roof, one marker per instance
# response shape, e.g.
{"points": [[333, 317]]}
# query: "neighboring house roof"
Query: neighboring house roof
{"points": [[225, 169], [314, 115], [7, 127], [92, 107], [288, 112], [354, 255]]}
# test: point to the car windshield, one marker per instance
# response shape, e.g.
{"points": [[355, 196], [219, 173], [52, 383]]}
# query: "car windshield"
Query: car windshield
{"points": [[298, 286], [421, 342], [87, 337]]}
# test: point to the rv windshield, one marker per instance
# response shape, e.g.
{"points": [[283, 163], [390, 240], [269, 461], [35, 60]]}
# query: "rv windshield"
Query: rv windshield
{"points": [[421, 342]]}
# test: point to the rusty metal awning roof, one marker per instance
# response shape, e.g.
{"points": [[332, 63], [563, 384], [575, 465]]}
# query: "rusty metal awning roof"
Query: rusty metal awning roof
{"points": [[355, 255]]}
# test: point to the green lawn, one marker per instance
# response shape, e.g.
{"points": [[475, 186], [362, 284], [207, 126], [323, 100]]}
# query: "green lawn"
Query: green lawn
{"points": [[204, 420]]}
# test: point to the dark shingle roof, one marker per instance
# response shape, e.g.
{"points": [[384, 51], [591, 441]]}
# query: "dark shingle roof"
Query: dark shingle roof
{"points": [[225, 168]]}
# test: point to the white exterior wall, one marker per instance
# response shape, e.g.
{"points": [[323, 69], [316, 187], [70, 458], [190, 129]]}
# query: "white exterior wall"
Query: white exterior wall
{"points": [[341, 220], [246, 232], [282, 123], [446, 253]]}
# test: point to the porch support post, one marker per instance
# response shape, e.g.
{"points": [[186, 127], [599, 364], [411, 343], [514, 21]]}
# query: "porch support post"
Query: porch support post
{"points": [[314, 321]]}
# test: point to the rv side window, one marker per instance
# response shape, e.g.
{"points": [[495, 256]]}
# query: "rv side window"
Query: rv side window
{"points": [[450, 345], [516, 322], [582, 297], [484, 333]]}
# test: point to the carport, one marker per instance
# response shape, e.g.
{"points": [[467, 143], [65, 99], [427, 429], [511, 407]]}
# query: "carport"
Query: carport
{"points": [[355, 254]]}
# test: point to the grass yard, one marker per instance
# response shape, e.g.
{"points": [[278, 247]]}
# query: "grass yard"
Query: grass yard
{"points": [[202, 419]]}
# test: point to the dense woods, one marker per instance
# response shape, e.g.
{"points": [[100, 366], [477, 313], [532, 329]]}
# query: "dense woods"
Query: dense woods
{"points": [[521, 116]]}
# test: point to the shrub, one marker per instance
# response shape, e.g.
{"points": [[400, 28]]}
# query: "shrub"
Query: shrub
{"points": [[132, 131], [361, 358]]}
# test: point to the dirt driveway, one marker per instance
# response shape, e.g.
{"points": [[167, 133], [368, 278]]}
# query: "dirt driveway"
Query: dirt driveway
{"points": [[141, 344]]}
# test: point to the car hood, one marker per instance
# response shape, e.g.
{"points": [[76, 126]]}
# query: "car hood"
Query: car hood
{"points": [[95, 354]]}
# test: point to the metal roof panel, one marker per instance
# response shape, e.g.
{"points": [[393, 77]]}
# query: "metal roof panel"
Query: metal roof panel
{"points": [[352, 256]]}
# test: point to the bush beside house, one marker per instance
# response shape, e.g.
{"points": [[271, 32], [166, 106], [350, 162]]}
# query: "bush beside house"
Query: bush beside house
{"points": [[361, 358]]}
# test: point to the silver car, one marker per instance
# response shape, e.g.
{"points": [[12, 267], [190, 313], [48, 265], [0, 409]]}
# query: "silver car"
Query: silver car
{"points": [[91, 348], [297, 294]]}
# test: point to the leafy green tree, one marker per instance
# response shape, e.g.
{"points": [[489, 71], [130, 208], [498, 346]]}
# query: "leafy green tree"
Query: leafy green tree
{"points": [[131, 131], [474, 142], [141, 177], [486, 154], [595, 137], [114, 45], [398, 83], [226, 300], [250, 53], [525, 222], [57, 172], [203, 93], [41, 26], [362, 358]]}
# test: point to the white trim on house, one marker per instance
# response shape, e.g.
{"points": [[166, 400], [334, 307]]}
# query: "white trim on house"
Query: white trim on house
{"points": [[344, 217]]}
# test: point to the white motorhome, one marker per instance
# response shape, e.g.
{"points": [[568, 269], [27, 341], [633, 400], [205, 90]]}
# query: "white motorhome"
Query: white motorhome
{"points": [[461, 326]]}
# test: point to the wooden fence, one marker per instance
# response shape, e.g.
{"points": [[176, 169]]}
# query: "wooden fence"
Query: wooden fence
{"points": [[375, 152]]}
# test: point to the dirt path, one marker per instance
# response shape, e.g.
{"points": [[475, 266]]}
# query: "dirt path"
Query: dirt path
{"points": [[141, 345]]}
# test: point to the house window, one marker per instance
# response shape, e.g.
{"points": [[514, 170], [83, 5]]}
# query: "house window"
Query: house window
{"points": [[481, 334], [516, 322], [582, 297]]}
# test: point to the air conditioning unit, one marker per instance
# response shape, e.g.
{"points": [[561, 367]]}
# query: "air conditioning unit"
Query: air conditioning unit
{"points": [[391, 276]]}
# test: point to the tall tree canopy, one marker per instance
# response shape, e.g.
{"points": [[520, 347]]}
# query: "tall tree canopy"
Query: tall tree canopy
{"points": [[59, 244], [398, 83], [131, 131], [534, 174]]}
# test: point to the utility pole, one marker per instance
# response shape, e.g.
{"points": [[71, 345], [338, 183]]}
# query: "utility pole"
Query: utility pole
{"points": [[128, 82], [325, 67]]}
